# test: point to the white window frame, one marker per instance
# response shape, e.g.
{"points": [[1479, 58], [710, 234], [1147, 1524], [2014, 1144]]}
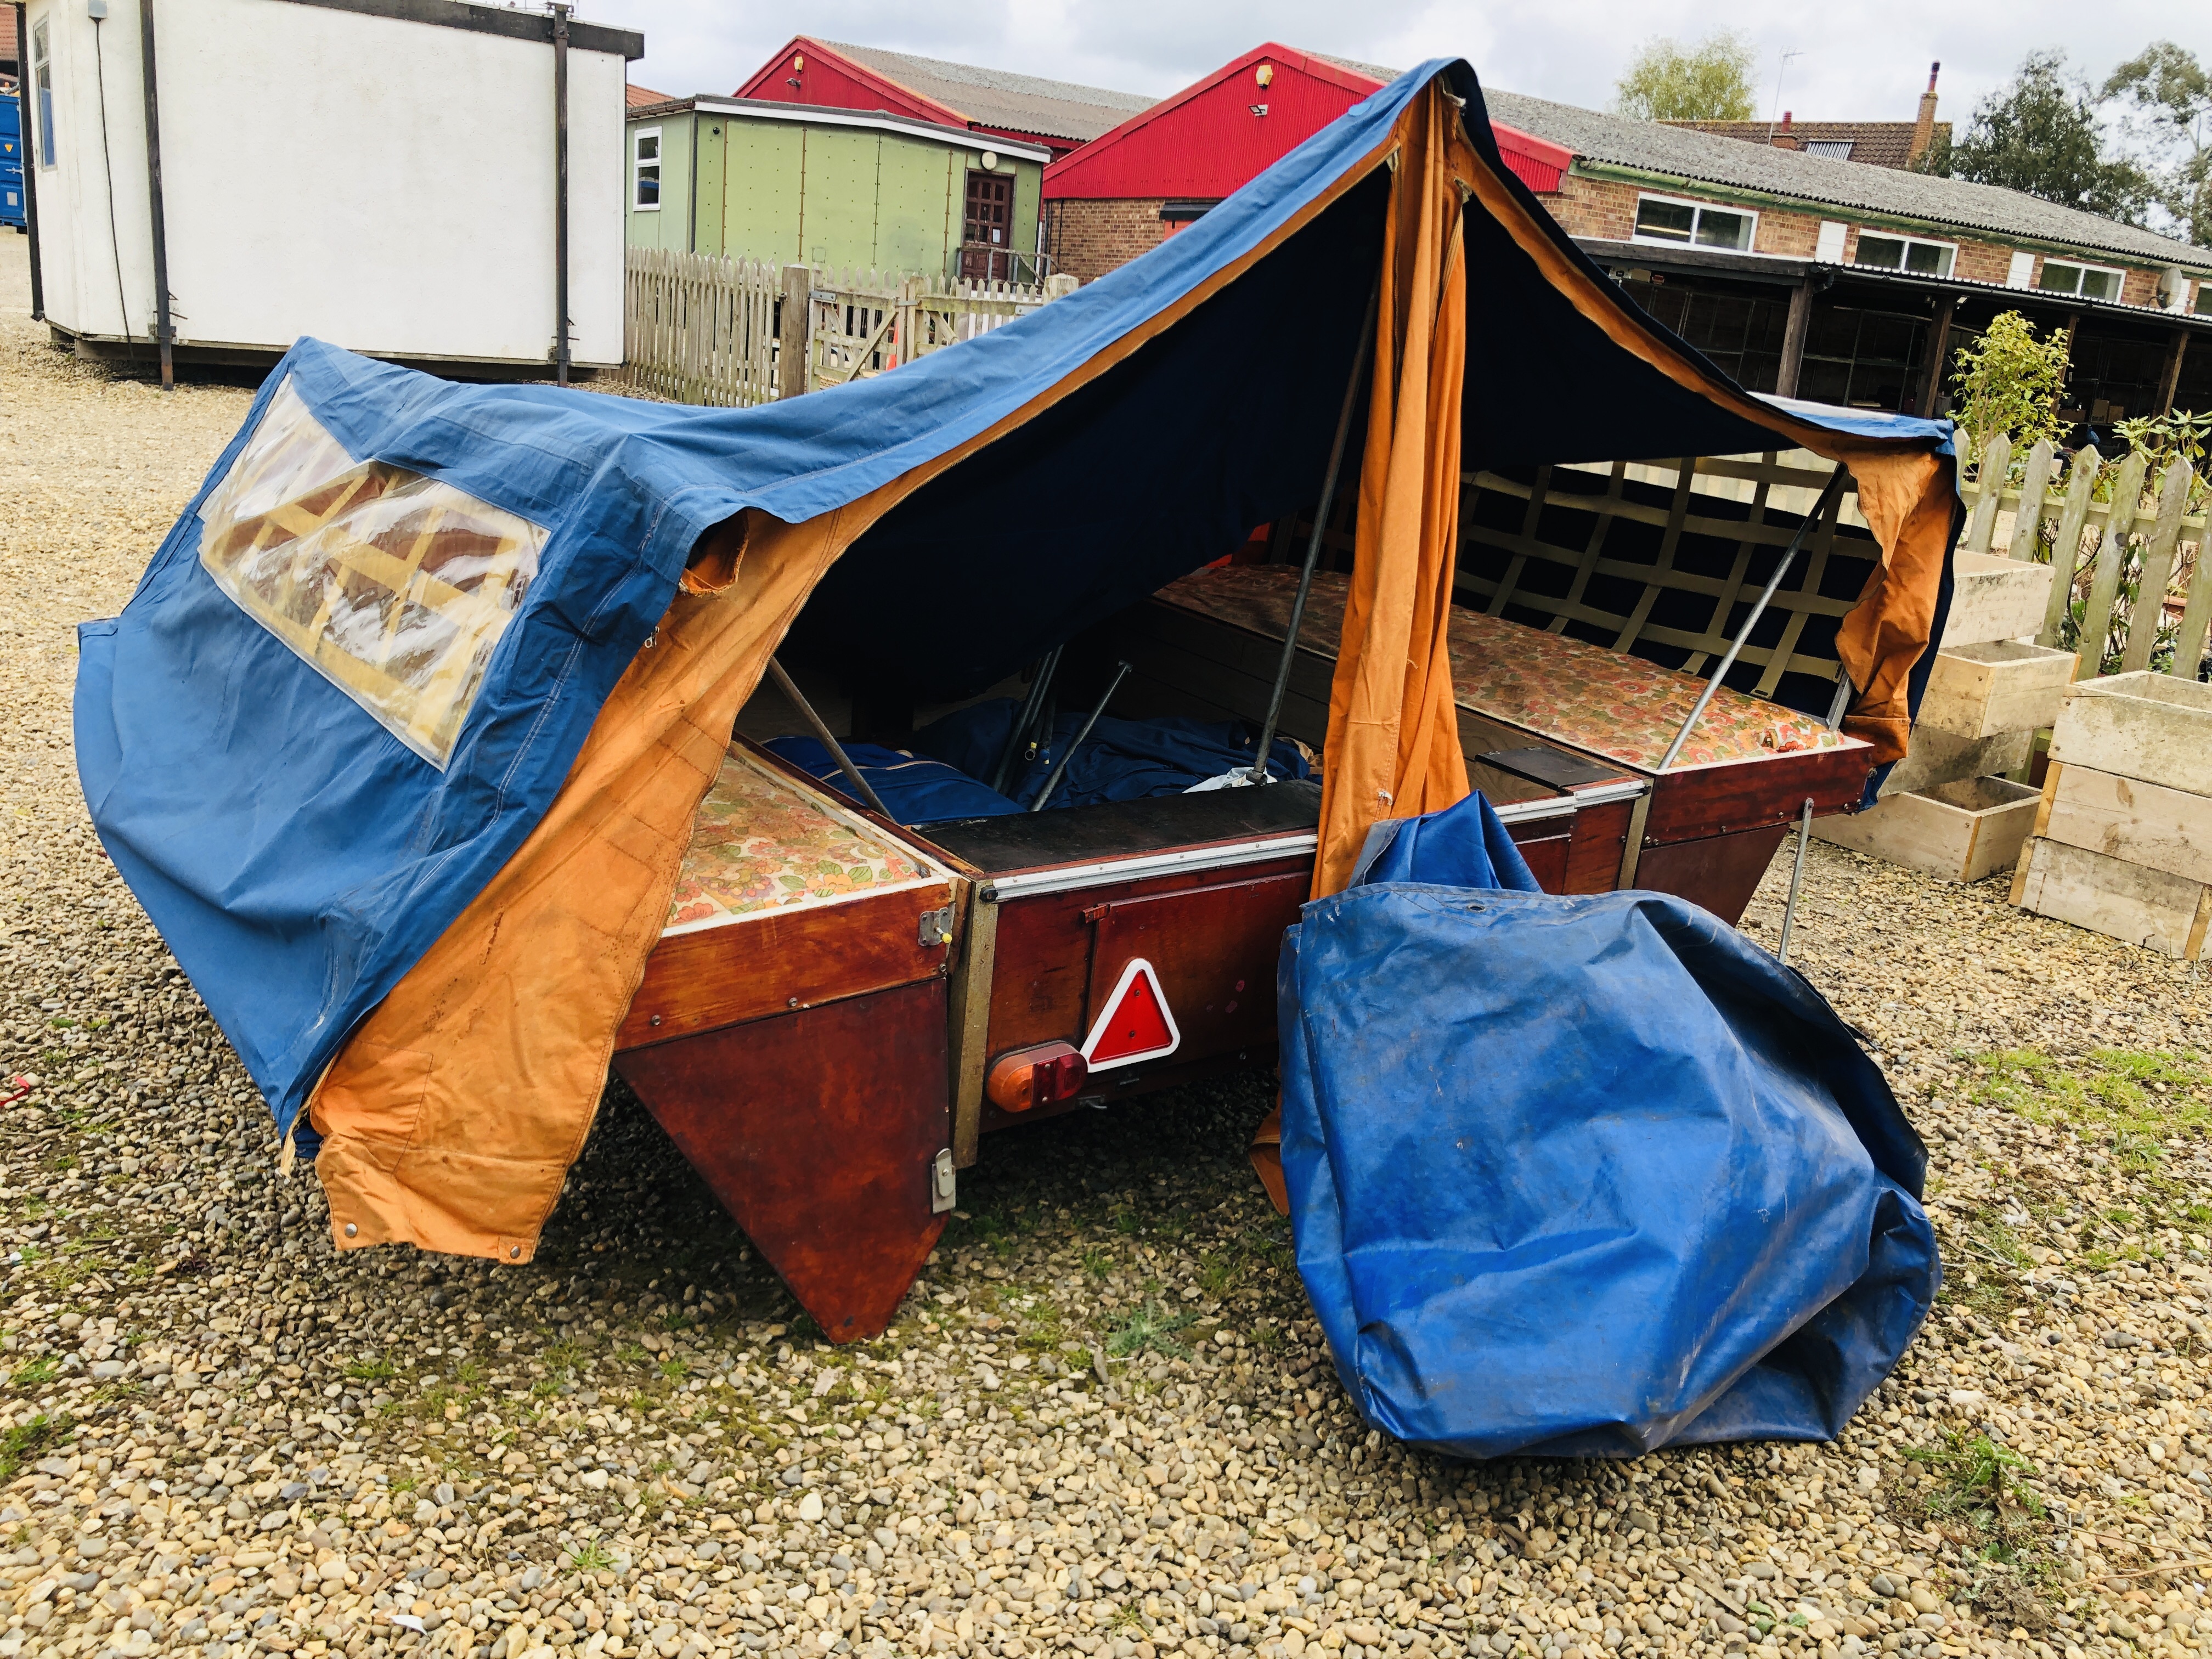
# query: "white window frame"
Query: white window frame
{"points": [[36, 70], [1910, 242], [1634, 235], [2119, 279], [637, 165]]}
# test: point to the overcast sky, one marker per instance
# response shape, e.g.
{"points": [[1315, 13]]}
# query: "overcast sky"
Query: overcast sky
{"points": [[1865, 59]]}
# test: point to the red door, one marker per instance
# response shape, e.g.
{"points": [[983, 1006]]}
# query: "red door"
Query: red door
{"points": [[987, 226]]}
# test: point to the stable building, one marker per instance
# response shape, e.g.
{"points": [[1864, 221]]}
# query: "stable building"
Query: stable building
{"points": [[424, 181], [1129, 189], [832, 187]]}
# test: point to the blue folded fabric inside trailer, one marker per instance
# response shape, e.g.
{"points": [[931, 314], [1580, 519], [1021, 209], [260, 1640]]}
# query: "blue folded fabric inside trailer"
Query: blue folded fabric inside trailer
{"points": [[1584, 1176]]}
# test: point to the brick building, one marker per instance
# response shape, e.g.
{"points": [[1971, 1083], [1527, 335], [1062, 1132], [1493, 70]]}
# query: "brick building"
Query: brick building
{"points": [[1871, 143], [1850, 284]]}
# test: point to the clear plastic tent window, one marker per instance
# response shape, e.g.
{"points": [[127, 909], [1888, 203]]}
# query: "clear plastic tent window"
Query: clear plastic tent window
{"points": [[392, 586]]}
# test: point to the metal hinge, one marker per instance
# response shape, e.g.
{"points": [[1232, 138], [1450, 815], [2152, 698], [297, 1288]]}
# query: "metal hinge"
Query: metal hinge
{"points": [[937, 927], [944, 1183]]}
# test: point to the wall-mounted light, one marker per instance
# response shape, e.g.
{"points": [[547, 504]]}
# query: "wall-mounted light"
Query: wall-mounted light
{"points": [[1265, 74], [990, 159], [797, 69]]}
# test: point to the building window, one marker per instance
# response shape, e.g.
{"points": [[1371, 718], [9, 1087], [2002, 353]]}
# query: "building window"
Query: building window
{"points": [[1905, 253], [1664, 219], [2090, 281], [42, 77], [645, 170]]}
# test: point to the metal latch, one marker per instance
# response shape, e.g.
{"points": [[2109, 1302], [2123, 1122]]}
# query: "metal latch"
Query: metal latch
{"points": [[937, 927], [944, 1183]]}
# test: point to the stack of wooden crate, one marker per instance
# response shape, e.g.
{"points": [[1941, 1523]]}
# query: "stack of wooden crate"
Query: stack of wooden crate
{"points": [[1947, 807], [2123, 840]]}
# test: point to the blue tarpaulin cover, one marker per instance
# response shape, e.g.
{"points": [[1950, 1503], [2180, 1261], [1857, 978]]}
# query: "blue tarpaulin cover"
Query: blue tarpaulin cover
{"points": [[1121, 760], [1584, 1176], [914, 788]]}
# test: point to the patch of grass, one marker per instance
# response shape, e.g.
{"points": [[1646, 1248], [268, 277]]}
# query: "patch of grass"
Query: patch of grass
{"points": [[1151, 1328], [591, 1556], [371, 1370], [2134, 1097], [1979, 1498], [673, 1368], [26, 1440], [1097, 1264], [36, 1375]]}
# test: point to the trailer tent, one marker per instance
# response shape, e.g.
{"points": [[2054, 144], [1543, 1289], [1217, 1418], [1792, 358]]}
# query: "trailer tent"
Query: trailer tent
{"points": [[400, 739]]}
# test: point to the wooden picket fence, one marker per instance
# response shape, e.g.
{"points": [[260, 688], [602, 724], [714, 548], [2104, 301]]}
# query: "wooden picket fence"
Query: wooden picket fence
{"points": [[861, 323], [2132, 588], [704, 329]]}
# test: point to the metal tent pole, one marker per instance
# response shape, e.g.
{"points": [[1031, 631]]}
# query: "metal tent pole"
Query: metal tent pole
{"points": [[1797, 879], [1829, 496], [789, 689], [1120, 673], [1259, 773]]}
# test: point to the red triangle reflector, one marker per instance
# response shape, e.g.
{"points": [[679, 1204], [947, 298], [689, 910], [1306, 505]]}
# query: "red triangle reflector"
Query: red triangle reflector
{"points": [[1137, 1023]]}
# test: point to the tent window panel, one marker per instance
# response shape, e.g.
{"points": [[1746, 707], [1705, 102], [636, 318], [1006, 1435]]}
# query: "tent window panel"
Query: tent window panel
{"points": [[392, 586]]}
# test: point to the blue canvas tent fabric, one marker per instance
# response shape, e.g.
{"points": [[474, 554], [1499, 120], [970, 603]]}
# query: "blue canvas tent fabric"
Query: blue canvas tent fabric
{"points": [[300, 853], [1120, 760], [1584, 1176], [914, 789]]}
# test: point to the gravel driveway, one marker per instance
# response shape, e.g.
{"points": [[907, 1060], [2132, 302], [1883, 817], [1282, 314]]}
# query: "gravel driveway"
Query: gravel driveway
{"points": [[1102, 1423]]}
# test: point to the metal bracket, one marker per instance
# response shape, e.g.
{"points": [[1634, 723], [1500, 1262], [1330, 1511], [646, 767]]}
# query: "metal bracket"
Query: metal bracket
{"points": [[943, 1182], [935, 927]]}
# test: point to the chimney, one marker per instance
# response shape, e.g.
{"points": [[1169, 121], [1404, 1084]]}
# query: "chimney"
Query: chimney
{"points": [[1786, 139], [1923, 129]]}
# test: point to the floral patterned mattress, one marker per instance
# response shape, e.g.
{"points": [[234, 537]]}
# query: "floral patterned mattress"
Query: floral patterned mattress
{"points": [[760, 843], [1602, 701]]}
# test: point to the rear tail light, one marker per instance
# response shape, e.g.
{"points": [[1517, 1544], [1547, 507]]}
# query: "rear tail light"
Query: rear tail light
{"points": [[1044, 1075]]}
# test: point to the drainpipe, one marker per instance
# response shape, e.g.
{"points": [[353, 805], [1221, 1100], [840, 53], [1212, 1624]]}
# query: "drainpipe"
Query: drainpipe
{"points": [[30, 162], [560, 193], [163, 335]]}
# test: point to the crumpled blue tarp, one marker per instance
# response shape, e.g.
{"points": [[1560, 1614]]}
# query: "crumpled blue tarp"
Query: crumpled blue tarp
{"points": [[1121, 760], [1585, 1177], [914, 788]]}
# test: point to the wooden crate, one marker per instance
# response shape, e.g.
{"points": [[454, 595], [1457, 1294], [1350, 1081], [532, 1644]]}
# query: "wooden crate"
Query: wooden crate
{"points": [[2122, 901], [1942, 758], [2154, 727], [2125, 819], [1995, 687], [1962, 831], [1995, 599]]}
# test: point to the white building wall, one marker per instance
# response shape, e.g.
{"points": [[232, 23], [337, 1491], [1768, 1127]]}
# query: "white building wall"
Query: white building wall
{"points": [[384, 184]]}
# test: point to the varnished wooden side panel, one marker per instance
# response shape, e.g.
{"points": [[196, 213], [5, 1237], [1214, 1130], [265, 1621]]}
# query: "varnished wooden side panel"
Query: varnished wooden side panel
{"points": [[1215, 950], [770, 963], [1548, 848], [1719, 801], [1721, 872], [1594, 859], [817, 1130]]}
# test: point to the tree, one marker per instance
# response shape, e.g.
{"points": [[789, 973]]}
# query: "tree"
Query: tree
{"points": [[2040, 133], [2009, 381], [2169, 95], [1708, 82]]}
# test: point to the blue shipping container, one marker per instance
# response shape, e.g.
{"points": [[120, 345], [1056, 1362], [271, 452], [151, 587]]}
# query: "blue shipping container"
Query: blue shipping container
{"points": [[11, 163]]}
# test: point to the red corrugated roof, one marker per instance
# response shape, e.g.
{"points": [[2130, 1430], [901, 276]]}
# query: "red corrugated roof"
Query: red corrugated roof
{"points": [[1208, 139]]}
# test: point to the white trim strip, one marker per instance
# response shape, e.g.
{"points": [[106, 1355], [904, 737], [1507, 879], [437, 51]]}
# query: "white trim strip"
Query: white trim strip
{"points": [[765, 109]]}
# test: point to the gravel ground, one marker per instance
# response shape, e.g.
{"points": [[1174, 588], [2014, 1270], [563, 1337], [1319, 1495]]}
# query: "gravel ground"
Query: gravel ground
{"points": [[1102, 1422]]}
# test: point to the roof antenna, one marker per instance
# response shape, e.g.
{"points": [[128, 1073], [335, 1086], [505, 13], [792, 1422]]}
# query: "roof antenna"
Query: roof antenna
{"points": [[1781, 70]]}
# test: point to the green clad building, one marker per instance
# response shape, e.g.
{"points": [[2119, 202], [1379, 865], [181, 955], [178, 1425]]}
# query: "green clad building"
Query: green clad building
{"points": [[834, 187]]}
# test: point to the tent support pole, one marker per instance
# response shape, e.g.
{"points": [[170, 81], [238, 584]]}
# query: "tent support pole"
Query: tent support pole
{"points": [[1259, 773], [1120, 673], [1829, 497], [561, 194], [1797, 880], [163, 335], [790, 689], [1032, 706]]}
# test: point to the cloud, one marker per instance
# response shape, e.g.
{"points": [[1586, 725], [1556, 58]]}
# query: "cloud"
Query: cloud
{"points": [[1858, 59]]}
